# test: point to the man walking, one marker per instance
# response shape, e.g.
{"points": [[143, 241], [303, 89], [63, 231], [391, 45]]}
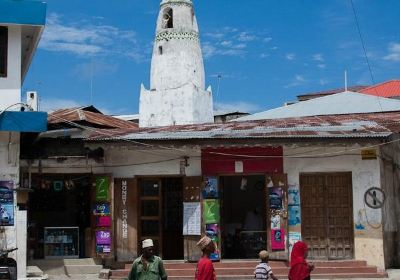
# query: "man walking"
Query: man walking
{"points": [[148, 266]]}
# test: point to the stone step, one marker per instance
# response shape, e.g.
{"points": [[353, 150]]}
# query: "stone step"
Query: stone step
{"points": [[83, 269]]}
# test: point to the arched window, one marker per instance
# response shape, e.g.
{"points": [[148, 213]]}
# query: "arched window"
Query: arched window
{"points": [[168, 18]]}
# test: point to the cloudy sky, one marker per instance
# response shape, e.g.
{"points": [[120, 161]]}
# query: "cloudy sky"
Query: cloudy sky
{"points": [[266, 51]]}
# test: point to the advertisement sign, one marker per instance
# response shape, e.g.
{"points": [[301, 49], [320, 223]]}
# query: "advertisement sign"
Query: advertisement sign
{"points": [[6, 203], [104, 221], [277, 239], [275, 198], [211, 211], [103, 249], [102, 188], [103, 237], [210, 190], [191, 218], [102, 209]]}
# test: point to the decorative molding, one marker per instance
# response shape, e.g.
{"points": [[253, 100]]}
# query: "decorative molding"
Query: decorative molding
{"points": [[187, 3], [171, 35]]}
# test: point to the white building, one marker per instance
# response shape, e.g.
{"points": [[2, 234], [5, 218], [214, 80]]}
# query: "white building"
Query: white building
{"points": [[20, 29], [177, 92]]}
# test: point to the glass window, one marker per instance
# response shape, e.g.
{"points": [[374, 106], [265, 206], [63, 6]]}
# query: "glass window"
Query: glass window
{"points": [[150, 208], [149, 188], [3, 51]]}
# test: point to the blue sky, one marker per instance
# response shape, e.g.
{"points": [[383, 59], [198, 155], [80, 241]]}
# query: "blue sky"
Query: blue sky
{"points": [[267, 51]]}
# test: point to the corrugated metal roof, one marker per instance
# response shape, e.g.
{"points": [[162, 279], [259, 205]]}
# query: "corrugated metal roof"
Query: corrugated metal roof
{"points": [[89, 118], [311, 95], [376, 125], [341, 103], [386, 89]]}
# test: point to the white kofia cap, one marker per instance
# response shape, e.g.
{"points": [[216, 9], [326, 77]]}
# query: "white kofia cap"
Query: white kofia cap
{"points": [[147, 243]]}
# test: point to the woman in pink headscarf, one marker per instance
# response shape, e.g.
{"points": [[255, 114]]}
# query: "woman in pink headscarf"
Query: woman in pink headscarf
{"points": [[299, 268]]}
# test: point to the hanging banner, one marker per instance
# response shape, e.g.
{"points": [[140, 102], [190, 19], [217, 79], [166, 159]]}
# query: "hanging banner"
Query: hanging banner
{"points": [[211, 211], [6, 203]]}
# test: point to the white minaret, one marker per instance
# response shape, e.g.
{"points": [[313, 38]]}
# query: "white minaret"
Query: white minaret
{"points": [[177, 92]]}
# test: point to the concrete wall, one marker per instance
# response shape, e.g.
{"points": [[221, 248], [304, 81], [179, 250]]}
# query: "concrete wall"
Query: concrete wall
{"points": [[390, 170], [10, 86], [368, 241]]}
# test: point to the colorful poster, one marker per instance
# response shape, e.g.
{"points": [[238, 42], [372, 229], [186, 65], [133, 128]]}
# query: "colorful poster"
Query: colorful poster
{"points": [[294, 195], [102, 188], [104, 221], [275, 198], [102, 209], [276, 222], [103, 249], [191, 218], [212, 229], [211, 211], [277, 239], [210, 190], [294, 215], [6, 203], [293, 238], [103, 237]]}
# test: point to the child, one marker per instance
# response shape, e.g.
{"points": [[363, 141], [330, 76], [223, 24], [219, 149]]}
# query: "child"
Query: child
{"points": [[299, 268], [263, 270], [205, 269]]}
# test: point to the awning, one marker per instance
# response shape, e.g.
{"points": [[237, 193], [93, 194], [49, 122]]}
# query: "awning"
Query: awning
{"points": [[23, 121]]}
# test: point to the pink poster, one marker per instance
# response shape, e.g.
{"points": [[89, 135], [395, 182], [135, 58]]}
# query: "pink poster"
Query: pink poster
{"points": [[278, 239], [104, 221]]}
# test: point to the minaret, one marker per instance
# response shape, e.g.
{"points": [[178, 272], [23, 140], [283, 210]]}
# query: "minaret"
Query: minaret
{"points": [[177, 92]]}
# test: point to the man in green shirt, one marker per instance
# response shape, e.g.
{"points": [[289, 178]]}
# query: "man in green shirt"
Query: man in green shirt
{"points": [[148, 266]]}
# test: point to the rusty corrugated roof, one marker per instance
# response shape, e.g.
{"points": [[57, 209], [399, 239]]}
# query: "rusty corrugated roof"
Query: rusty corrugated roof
{"points": [[63, 117], [372, 125]]}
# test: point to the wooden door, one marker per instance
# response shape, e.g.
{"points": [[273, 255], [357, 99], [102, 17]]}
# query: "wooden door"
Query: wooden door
{"points": [[327, 215], [150, 208]]}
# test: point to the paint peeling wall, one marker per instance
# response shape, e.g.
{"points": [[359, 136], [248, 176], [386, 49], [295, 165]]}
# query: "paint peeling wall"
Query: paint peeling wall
{"points": [[390, 170], [368, 233]]}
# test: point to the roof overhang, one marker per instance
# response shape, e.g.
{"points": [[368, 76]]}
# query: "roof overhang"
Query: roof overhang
{"points": [[31, 16]]}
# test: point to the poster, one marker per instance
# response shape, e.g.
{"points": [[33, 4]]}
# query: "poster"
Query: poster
{"points": [[103, 237], [101, 209], [276, 222], [275, 198], [102, 188], [103, 249], [6, 203], [103, 221], [294, 196], [211, 211], [191, 218], [278, 239], [210, 190], [212, 231], [293, 238], [294, 215]]}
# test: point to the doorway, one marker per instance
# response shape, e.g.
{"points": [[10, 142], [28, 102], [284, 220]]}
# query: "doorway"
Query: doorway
{"points": [[327, 215], [243, 216], [161, 215]]}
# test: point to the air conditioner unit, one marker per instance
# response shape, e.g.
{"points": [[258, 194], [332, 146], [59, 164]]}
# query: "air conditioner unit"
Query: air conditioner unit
{"points": [[32, 100]]}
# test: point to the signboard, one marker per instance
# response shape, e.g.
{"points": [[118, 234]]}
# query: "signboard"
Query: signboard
{"points": [[191, 218], [211, 211], [210, 190], [6, 203], [102, 188], [277, 239], [124, 210], [103, 237], [102, 209], [375, 198], [368, 154], [275, 198], [103, 221]]}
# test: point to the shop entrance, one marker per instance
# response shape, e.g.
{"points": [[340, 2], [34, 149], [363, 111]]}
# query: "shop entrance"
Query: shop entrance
{"points": [[243, 216], [327, 215], [161, 215], [59, 216]]}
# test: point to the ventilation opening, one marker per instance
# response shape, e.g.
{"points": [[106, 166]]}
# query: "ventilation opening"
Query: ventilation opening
{"points": [[168, 18], [160, 50], [192, 11]]}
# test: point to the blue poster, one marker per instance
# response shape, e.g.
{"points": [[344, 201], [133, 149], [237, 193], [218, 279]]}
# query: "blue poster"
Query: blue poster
{"points": [[6, 203], [101, 209], [294, 215], [210, 190]]}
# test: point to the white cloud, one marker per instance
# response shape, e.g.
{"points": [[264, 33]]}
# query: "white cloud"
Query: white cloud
{"points": [[85, 39], [323, 82], [246, 37], [52, 104], [264, 55], [240, 106], [226, 43], [267, 40], [318, 57], [321, 66], [240, 46], [394, 52], [274, 48], [290, 56], [298, 80]]}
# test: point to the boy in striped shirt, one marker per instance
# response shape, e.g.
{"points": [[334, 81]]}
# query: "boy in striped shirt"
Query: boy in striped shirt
{"points": [[263, 270]]}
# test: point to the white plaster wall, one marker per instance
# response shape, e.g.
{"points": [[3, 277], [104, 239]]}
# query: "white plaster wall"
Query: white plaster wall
{"points": [[10, 86], [365, 174], [185, 105]]}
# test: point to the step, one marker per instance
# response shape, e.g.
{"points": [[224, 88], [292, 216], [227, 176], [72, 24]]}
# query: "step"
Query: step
{"points": [[83, 269]]}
